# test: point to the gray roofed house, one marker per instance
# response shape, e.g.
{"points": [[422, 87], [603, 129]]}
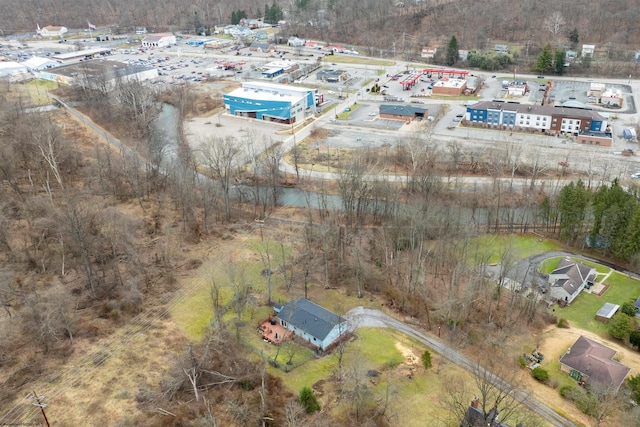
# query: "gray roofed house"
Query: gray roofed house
{"points": [[607, 311], [637, 304], [568, 279], [588, 360], [311, 322]]}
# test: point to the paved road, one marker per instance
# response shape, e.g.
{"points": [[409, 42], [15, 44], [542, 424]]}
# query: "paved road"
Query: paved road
{"points": [[361, 316]]}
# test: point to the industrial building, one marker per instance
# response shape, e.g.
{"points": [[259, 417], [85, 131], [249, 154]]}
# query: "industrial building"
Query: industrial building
{"points": [[402, 112], [271, 102], [98, 74]]}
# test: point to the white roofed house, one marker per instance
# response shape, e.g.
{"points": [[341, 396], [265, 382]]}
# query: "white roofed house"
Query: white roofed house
{"points": [[51, 31], [588, 50], [569, 279]]}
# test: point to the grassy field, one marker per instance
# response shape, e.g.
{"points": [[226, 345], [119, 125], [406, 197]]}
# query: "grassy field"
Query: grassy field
{"points": [[354, 59], [581, 313], [519, 246]]}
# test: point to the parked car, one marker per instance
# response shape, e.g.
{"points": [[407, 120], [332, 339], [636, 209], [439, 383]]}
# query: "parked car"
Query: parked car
{"points": [[635, 175], [541, 77]]}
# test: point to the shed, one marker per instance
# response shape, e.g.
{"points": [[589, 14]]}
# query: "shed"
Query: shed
{"points": [[607, 311]]}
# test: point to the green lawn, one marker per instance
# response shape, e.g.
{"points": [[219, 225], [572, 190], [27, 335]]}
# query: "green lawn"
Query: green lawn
{"points": [[355, 59], [519, 246], [581, 313], [549, 264]]}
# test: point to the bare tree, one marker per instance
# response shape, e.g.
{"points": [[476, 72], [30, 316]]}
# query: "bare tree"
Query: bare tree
{"points": [[221, 157], [554, 23]]}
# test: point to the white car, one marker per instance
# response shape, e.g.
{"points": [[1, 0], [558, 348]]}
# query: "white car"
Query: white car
{"points": [[635, 175], [372, 114]]}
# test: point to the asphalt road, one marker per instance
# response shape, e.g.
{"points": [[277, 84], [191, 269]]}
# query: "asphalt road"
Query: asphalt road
{"points": [[361, 316]]}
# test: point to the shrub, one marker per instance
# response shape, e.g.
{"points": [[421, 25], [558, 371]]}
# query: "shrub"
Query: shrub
{"points": [[540, 374], [308, 400], [562, 323], [628, 308], [566, 391], [522, 361], [426, 359], [620, 326]]}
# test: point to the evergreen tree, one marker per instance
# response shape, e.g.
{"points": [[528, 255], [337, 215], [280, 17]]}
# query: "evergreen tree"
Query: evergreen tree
{"points": [[545, 60], [573, 202], [452, 51], [634, 339], [426, 359], [308, 400], [574, 38], [620, 326], [558, 61]]}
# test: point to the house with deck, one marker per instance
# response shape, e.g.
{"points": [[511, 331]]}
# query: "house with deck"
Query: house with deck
{"points": [[311, 322], [568, 279]]}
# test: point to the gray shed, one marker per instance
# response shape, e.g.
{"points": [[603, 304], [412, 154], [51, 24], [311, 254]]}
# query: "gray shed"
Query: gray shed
{"points": [[607, 311]]}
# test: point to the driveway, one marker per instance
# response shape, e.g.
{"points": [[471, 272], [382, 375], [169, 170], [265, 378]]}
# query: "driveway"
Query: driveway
{"points": [[361, 316]]}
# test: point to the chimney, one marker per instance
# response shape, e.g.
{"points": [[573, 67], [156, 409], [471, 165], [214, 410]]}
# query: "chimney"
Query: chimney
{"points": [[475, 402]]}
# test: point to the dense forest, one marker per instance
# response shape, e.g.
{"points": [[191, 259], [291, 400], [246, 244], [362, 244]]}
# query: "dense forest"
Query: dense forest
{"points": [[610, 25]]}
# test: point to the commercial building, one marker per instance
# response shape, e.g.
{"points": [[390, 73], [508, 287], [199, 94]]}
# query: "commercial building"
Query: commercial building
{"points": [[402, 112], [271, 102], [101, 75], [517, 88], [10, 68], [159, 40], [37, 63], [81, 54], [535, 118], [447, 86], [332, 76]]}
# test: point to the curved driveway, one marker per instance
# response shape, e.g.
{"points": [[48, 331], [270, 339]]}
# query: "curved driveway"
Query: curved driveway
{"points": [[361, 316]]}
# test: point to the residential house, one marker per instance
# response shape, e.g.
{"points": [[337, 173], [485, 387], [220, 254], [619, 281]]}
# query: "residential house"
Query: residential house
{"points": [[296, 42], [475, 416], [568, 279], [429, 52], [313, 323], [637, 305], [593, 362], [463, 54], [141, 30], [570, 55], [637, 56], [501, 48], [159, 40], [402, 112], [588, 50], [607, 311], [262, 47]]}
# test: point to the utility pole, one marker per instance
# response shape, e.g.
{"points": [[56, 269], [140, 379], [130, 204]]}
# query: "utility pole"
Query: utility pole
{"points": [[41, 405]]}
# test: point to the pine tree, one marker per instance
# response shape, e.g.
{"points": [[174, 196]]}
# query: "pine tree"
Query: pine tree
{"points": [[559, 61], [452, 51], [545, 60]]}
